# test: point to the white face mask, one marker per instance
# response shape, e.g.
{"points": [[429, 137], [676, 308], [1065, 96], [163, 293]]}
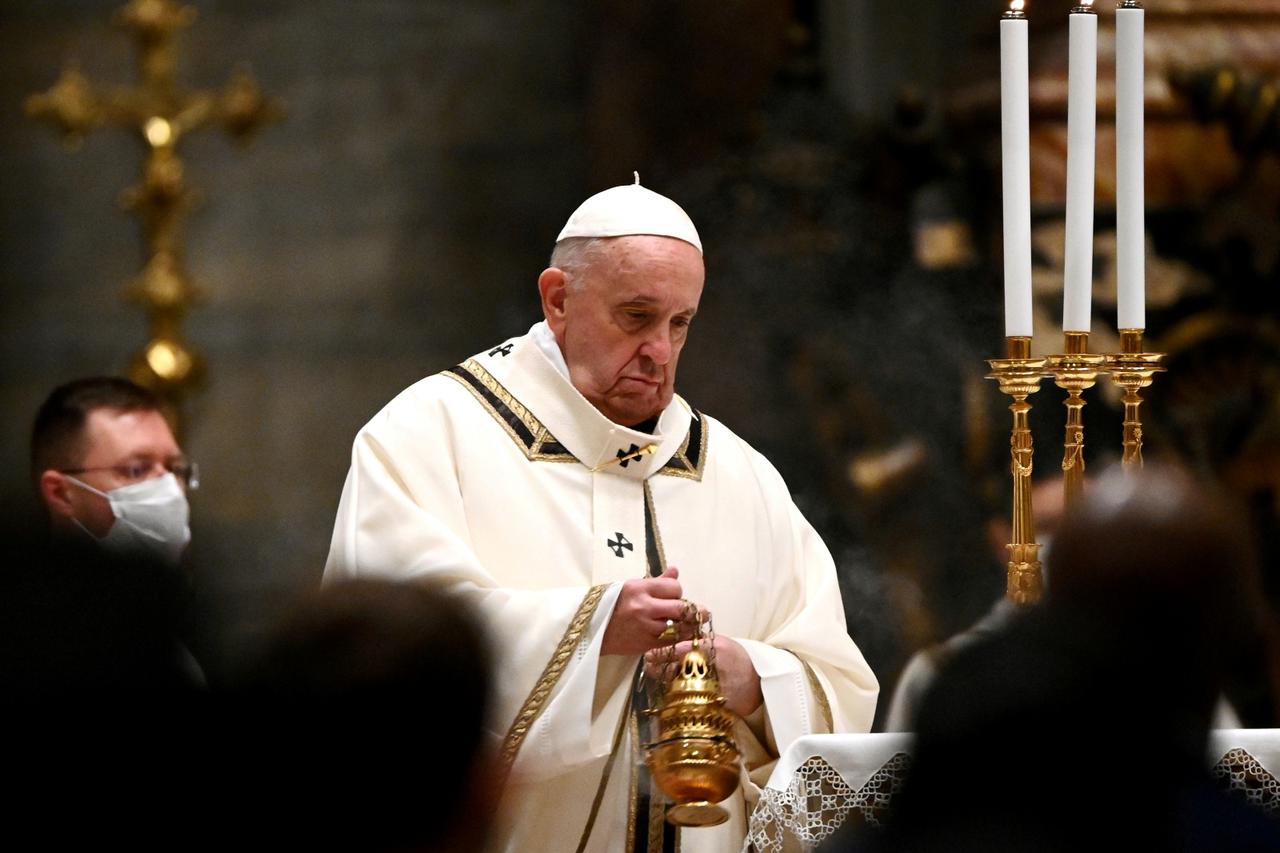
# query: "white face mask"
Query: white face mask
{"points": [[151, 518]]}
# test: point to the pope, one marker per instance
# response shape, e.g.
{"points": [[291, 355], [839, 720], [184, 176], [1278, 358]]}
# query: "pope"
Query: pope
{"points": [[557, 481]]}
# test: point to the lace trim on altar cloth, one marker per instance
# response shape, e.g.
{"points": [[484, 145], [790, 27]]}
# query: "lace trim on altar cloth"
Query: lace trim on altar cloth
{"points": [[818, 801], [1242, 774]]}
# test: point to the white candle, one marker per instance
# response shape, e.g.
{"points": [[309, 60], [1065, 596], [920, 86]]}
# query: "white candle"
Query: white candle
{"points": [[1082, 106], [1130, 228], [1015, 149]]}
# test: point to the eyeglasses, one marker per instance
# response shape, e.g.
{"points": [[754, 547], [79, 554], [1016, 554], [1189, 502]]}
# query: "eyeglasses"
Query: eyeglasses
{"points": [[187, 472]]}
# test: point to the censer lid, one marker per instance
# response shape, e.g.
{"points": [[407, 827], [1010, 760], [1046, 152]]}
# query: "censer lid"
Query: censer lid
{"points": [[695, 674]]}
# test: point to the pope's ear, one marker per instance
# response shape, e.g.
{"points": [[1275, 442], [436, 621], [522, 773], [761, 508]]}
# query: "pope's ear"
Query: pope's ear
{"points": [[53, 491], [553, 286]]}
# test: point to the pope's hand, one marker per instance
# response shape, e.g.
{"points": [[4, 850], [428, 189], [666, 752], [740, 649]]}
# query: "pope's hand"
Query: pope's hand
{"points": [[641, 614], [739, 681]]}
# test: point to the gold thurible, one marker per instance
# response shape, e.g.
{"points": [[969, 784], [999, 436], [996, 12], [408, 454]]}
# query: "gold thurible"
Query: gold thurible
{"points": [[695, 760], [1074, 371], [1019, 376], [1133, 369]]}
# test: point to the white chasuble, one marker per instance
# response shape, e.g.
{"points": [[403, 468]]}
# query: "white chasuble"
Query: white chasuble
{"points": [[499, 479]]}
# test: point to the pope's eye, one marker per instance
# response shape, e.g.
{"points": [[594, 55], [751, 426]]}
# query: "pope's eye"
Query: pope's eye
{"points": [[137, 470]]}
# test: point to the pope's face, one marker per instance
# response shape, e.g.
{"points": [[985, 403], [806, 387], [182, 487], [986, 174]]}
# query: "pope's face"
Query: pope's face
{"points": [[622, 327]]}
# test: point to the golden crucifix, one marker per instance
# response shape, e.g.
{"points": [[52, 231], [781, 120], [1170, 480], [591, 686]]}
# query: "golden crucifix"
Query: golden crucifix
{"points": [[161, 113]]}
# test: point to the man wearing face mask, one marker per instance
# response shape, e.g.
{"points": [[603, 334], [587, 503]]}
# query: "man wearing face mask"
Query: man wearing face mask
{"points": [[108, 467], [96, 610], [94, 671]]}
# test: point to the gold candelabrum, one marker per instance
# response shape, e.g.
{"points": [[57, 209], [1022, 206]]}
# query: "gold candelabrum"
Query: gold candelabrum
{"points": [[160, 112], [1075, 371], [1133, 369], [694, 760], [1019, 376]]}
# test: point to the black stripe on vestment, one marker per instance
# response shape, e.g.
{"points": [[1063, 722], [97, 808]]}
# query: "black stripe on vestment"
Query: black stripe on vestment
{"points": [[500, 408], [644, 697]]}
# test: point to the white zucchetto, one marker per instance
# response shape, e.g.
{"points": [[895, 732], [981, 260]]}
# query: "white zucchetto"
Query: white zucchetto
{"points": [[628, 210]]}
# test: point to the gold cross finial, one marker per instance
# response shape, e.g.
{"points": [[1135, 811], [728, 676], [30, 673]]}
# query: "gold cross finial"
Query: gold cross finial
{"points": [[161, 113]]}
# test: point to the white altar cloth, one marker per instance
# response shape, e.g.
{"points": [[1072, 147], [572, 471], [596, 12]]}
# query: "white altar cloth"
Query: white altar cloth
{"points": [[821, 779]]}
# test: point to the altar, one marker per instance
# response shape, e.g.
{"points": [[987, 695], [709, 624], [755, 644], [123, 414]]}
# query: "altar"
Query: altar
{"points": [[822, 781]]}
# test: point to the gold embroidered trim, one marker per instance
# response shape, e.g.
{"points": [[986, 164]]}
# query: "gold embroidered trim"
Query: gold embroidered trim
{"points": [[681, 456], [537, 699], [604, 778], [657, 534], [690, 472], [541, 435], [657, 799], [657, 815], [636, 758], [816, 686]]}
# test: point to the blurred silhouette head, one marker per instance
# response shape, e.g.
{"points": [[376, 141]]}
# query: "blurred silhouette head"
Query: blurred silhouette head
{"points": [[1163, 565], [378, 690]]}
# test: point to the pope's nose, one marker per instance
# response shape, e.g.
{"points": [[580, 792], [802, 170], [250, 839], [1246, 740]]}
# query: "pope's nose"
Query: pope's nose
{"points": [[657, 349]]}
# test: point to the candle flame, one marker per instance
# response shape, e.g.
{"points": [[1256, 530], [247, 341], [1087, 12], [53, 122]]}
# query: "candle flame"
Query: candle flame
{"points": [[1016, 5]]}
